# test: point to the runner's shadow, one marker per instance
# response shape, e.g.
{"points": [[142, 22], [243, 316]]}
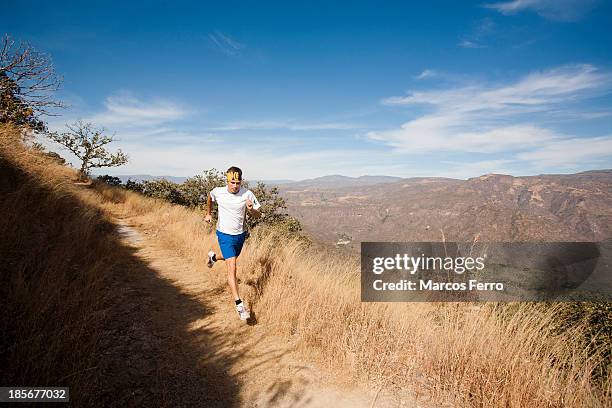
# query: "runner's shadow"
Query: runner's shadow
{"points": [[252, 321], [153, 352], [99, 318]]}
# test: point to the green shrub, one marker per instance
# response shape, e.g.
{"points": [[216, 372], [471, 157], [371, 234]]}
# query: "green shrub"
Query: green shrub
{"points": [[195, 189], [193, 193], [110, 180], [273, 208], [134, 186], [164, 190]]}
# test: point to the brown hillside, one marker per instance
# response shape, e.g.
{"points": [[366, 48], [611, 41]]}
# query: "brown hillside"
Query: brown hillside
{"points": [[494, 207]]}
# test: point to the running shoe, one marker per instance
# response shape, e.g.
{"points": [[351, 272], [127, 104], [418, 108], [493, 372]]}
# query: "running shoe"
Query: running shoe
{"points": [[212, 258], [242, 311]]}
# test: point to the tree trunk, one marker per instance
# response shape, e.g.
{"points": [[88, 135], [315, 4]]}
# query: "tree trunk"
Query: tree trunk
{"points": [[83, 172]]}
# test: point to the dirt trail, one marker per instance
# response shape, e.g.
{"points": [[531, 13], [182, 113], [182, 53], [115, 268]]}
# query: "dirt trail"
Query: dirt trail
{"points": [[181, 344]]}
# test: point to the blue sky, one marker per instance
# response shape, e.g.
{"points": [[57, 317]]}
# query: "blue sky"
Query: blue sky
{"points": [[294, 91]]}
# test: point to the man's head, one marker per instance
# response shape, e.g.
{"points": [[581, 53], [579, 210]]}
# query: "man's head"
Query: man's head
{"points": [[234, 178]]}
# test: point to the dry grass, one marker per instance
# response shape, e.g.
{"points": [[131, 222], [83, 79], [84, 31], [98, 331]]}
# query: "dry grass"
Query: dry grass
{"points": [[56, 251], [489, 355], [482, 355], [66, 286], [479, 355]]}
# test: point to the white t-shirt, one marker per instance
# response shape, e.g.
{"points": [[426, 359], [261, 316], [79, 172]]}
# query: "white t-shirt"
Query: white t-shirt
{"points": [[232, 208]]}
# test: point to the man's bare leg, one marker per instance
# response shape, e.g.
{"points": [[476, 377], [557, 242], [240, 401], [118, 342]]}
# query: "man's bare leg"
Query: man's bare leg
{"points": [[231, 276], [231, 272], [241, 307], [212, 258]]}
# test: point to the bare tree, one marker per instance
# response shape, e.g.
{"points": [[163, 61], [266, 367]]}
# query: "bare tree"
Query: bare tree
{"points": [[28, 82], [87, 143]]}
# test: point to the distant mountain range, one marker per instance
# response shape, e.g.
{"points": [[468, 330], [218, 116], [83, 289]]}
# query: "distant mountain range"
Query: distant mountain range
{"points": [[176, 179], [330, 181], [147, 177], [493, 207], [337, 180]]}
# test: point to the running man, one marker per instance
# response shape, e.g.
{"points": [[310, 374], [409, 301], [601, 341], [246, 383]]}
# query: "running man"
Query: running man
{"points": [[234, 202]]}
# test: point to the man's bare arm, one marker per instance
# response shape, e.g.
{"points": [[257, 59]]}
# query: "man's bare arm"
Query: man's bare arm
{"points": [[208, 217]]}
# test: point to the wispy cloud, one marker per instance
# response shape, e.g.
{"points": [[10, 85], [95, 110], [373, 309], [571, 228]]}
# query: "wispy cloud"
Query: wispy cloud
{"points": [[500, 119], [445, 76], [570, 151], [535, 91], [436, 133], [427, 73], [226, 44], [287, 125], [477, 38], [159, 141], [470, 44], [126, 110], [556, 10], [258, 160]]}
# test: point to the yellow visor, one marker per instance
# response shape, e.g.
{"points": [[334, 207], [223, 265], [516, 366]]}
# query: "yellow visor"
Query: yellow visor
{"points": [[233, 176]]}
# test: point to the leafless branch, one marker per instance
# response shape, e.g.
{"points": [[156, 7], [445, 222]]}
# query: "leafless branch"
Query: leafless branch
{"points": [[29, 75]]}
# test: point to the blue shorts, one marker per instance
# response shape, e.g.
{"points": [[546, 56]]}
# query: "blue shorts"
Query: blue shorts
{"points": [[231, 245]]}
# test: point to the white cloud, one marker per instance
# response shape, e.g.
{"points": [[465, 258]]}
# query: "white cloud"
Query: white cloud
{"points": [[443, 76], [571, 152], [427, 73], [500, 119], [557, 10], [286, 124], [439, 133], [126, 110], [157, 145], [535, 91], [258, 161]]}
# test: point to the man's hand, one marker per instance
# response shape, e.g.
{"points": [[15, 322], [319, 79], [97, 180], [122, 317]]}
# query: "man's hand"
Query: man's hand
{"points": [[208, 218], [252, 211]]}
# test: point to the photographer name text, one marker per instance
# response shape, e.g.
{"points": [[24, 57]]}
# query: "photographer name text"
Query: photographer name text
{"points": [[412, 264]]}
